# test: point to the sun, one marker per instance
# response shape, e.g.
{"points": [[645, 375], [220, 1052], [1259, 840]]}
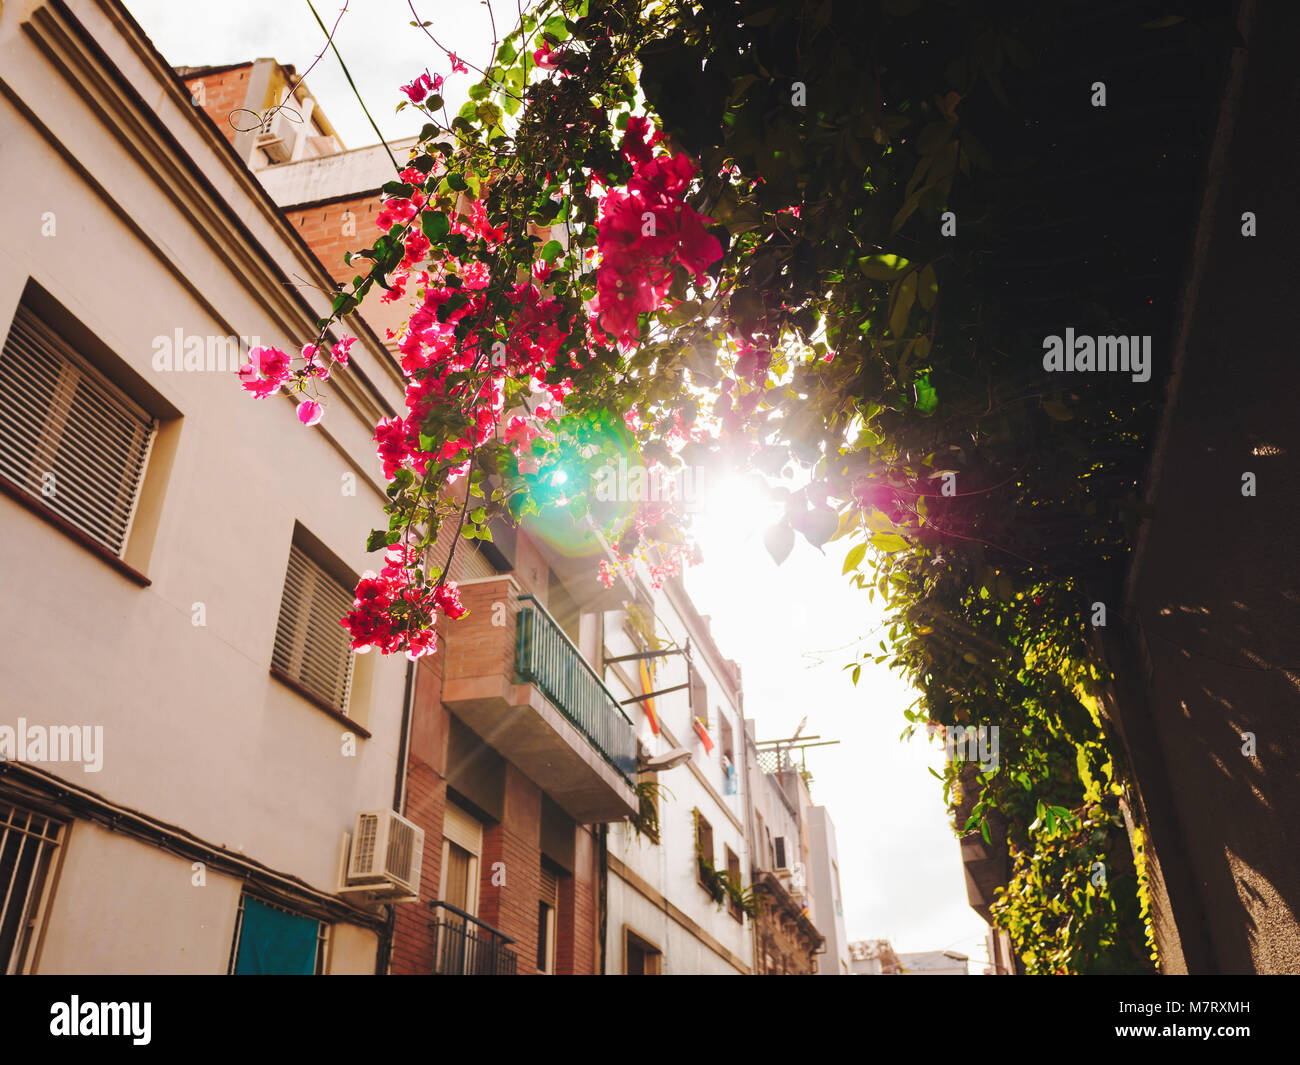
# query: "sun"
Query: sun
{"points": [[732, 508]]}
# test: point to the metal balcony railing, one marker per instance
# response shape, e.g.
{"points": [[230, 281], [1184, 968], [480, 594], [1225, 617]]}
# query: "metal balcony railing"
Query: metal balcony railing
{"points": [[546, 657], [465, 946]]}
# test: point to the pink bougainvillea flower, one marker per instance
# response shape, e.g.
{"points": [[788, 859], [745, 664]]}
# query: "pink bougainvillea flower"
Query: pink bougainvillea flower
{"points": [[546, 57], [313, 368], [341, 350], [448, 601], [457, 67], [422, 86], [310, 412], [266, 371]]}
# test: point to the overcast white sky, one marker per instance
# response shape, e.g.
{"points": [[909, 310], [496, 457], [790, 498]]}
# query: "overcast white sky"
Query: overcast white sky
{"points": [[787, 626]]}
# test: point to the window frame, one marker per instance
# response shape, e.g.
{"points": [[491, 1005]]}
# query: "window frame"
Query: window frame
{"points": [[33, 323], [734, 869], [318, 567], [39, 891], [324, 938], [648, 948], [703, 831]]}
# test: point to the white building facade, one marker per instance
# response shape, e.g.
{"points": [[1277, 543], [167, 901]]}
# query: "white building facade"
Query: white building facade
{"points": [[662, 916], [175, 553]]}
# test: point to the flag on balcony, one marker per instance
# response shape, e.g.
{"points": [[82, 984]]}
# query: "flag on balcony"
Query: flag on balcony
{"points": [[647, 685], [703, 733]]}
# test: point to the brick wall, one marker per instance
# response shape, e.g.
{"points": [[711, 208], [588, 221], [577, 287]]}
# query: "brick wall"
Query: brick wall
{"points": [[515, 841], [331, 229], [426, 801], [476, 647], [223, 94]]}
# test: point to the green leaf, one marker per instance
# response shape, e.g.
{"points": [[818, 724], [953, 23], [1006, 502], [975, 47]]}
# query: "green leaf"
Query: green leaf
{"points": [[377, 540], [889, 542], [882, 267], [551, 251], [904, 297], [926, 396], [436, 226], [855, 556], [928, 288]]}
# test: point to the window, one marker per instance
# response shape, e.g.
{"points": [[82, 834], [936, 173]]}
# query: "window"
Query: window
{"points": [[27, 847], [547, 902], [780, 852], [730, 778], [733, 874], [699, 694], [272, 941], [68, 438], [703, 845], [649, 803], [642, 957], [462, 846], [311, 648]]}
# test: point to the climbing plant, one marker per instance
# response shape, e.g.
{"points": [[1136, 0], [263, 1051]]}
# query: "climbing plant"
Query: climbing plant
{"points": [[815, 239]]}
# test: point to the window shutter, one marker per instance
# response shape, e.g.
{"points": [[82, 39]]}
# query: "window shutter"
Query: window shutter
{"points": [[311, 647], [549, 889], [58, 416], [462, 829], [469, 562]]}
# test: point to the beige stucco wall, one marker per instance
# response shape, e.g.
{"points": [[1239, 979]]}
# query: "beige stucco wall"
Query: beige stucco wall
{"points": [[196, 732], [124, 907]]}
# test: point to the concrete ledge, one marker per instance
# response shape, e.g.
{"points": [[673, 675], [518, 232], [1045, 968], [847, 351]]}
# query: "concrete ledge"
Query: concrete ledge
{"points": [[518, 721]]}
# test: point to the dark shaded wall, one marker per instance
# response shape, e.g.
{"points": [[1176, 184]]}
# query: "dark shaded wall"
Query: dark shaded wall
{"points": [[1210, 645]]}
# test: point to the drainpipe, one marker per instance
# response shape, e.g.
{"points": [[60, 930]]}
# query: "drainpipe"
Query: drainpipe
{"points": [[602, 898], [383, 958]]}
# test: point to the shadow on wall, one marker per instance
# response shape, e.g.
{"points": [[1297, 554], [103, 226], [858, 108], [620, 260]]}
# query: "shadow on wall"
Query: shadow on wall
{"points": [[1217, 584]]}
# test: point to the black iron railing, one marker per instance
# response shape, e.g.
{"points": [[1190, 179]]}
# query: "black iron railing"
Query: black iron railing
{"points": [[466, 946], [546, 657]]}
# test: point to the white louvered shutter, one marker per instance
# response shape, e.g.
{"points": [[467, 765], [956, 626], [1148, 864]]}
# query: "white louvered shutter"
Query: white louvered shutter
{"points": [[311, 647], [59, 417], [469, 562]]}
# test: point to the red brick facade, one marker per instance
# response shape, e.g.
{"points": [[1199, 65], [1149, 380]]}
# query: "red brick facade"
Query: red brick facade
{"points": [[341, 226], [511, 861], [224, 93]]}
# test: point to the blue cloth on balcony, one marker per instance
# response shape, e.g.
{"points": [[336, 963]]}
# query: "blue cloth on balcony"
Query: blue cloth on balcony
{"points": [[275, 943]]}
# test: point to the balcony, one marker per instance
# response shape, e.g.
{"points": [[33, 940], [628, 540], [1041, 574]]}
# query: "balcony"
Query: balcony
{"points": [[515, 678], [468, 947]]}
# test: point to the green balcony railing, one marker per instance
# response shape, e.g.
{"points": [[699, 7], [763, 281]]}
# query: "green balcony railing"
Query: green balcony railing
{"points": [[546, 657]]}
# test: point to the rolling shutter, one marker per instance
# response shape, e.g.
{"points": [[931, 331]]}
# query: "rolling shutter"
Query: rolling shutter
{"points": [[311, 647], [68, 437]]}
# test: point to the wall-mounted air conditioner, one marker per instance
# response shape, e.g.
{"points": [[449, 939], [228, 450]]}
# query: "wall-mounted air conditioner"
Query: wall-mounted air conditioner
{"points": [[382, 857], [279, 134]]}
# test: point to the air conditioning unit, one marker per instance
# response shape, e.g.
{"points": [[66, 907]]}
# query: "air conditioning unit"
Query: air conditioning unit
{"points": [[382, 857], [279, 136]]}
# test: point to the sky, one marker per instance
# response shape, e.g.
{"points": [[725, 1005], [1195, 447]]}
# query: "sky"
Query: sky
{"points": [[791, 627]]}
